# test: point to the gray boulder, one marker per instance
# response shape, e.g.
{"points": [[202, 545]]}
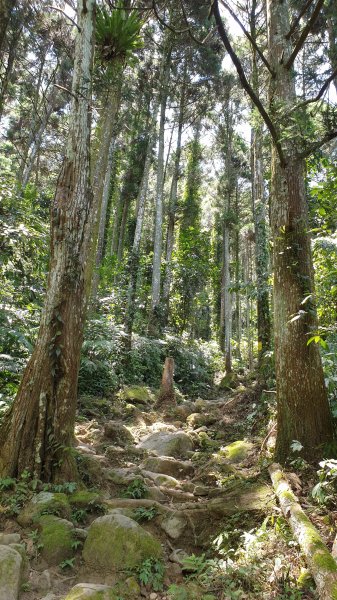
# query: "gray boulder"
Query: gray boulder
{"points": [[10, 573], [166, 443]]}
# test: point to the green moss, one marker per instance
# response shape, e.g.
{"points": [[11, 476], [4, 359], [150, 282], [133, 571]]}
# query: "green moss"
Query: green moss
{"points": [[44, 503], [56, 539], [288, 496], [137, 393], [131, 544], [325, 561], [334, 591], [81, 591], [84, 499], [237, 451]]}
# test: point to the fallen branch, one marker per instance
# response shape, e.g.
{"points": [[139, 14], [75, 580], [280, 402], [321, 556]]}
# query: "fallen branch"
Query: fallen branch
{"points": [[319, 560]]}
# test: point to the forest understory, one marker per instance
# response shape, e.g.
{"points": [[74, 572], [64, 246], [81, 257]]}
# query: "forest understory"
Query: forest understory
{"points": [[195, 476]]}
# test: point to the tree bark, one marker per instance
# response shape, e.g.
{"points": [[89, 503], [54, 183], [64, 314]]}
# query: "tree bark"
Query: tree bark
{"points": [[166, 397], [37, 433], [303, 410], [319, 560], [135, 252], [172, 204], [156, 317]]}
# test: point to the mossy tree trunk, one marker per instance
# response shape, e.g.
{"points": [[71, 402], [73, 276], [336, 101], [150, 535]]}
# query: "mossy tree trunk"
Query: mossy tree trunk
{"points": [[37, 433], [303, 411]]}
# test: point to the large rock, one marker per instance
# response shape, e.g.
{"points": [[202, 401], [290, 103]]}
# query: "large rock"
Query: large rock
{"points": [[166, 443], [44, 503], [139, 394], [10, 573], [173, 525], [94, 591], [161, 480], [237, 451], [56, 539], [117, 542], [118, 433], [168, 466]]}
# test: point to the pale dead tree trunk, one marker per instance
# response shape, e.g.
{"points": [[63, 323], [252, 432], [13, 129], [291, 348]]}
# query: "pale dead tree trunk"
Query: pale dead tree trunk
{"points": [[37, 433], [155, 317], [102, 220], [317, 556], [299, 374], [135, 252], [166, 397], [173, 203]]}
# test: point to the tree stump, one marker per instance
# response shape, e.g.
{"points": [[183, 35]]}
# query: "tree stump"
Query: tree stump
{"points": [[167, 397]]}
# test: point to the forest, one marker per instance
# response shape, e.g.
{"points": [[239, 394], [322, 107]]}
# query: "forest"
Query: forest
{"points": [[168, 300]]}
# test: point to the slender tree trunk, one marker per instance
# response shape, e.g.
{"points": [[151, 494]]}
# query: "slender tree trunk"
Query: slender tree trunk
{"points": [[37, 433], [303, 410], [226, 296], [261, 246], [173, 204], [135, 252], [156, 317], [260, 216], [103, 220], [332, 33]]}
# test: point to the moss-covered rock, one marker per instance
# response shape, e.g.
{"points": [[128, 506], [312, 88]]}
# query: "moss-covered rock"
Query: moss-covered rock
{"points": [[167, 443], [197, 419], [56, 538], [117, 542], [237, 451], [168, 465], [44, 503], [138, 394], [84, 499], [10, 573], [229, 381], [82, 591], [118, 433]]}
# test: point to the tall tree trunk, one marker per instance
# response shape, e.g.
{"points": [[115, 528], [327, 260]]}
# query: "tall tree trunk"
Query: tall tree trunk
{"points": [[261, 246], [156, 318], [37, 433], [135, 252], [103, 220], [6, 6], [259, 215], [303, 410], [226, 296], [173, 204]]}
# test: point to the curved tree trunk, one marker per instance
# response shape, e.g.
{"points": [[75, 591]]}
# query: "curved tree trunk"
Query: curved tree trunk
{"points": [[37, 433]]}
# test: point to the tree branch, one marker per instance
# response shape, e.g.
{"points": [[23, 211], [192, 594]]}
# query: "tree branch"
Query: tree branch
{"points": [[247, 34], [316, 145], [297, 19], [305, 32], [245, 84], [319, 95], [65, 15]]}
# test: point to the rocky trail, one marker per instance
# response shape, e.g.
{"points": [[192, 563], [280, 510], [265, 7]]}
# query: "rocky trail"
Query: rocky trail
{"points": [[177, 506]]}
